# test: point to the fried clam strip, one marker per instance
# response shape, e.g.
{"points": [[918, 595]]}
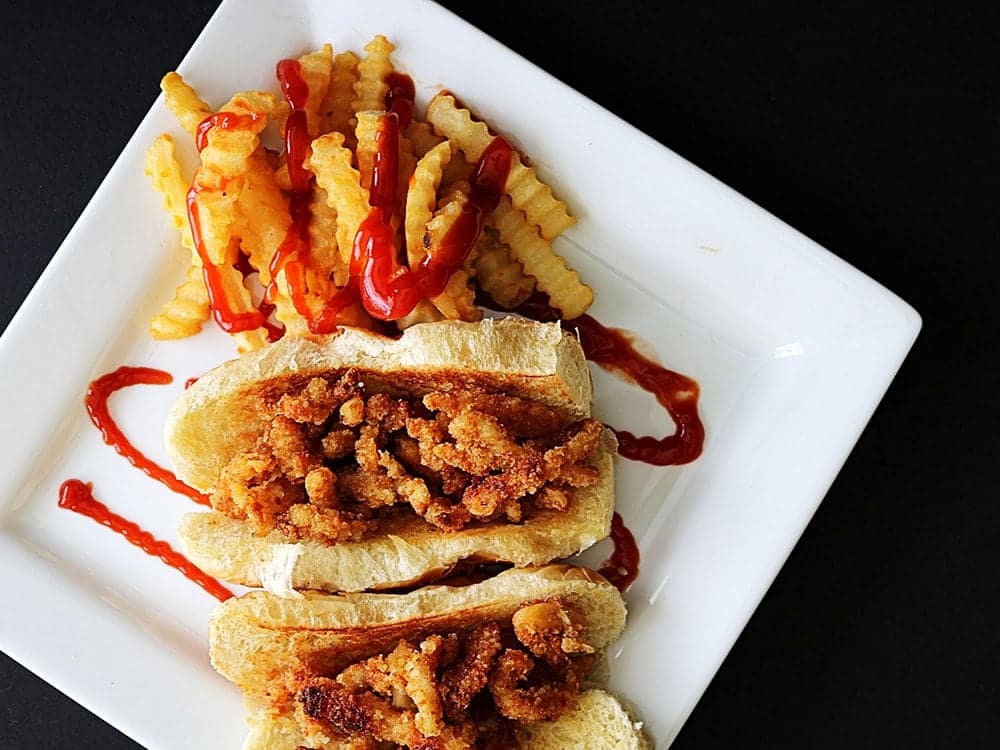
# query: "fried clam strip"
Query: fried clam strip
{"points": [[336, 458], [527, 192], [459, 690]]}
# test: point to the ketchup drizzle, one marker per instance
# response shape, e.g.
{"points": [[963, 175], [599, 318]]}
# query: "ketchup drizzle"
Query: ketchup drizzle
{"points": [[293, 254], [228, 319], [622, 568], [388, 290], [611, 349], [399, 98], [223, 121], [78, 497], [97, 407]]}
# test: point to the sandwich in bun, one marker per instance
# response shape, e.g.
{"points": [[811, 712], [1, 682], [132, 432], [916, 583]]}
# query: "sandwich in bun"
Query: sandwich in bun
{"points": [[503, 663], [354, 461]]}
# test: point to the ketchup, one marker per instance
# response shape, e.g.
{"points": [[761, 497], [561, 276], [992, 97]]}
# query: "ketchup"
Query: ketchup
{"points": [[611, 349], [97, 407], [78, 497], [228, 319], [622, 568], [399, 98], [390, 291], [223, 121], [293, 255]]}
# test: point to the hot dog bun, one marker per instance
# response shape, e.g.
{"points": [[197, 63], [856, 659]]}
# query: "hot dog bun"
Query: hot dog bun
{"points": [[259, 641], [216, 418]]}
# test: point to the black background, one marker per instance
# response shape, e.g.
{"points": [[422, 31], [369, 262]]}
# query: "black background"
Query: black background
{"points": [[874, 133]]}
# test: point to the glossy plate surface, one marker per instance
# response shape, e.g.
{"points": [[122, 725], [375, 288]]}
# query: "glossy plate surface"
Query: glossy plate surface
{"points": [[792, 348]]}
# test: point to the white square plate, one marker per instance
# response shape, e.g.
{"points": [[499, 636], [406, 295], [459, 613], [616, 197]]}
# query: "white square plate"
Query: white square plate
{"points": [[792, 347]]}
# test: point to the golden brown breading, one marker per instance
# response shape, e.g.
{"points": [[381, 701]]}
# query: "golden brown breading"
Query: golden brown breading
{"points": [[252, 486], [338, 443], [543, 701], [464, 679], [456, 691], [549, 632], [306, 521], [522, 417], [290, 444], [452, 458], [313, 405]]}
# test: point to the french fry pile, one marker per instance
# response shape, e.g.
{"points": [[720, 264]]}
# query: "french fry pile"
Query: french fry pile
{"points": [[236, 214]]}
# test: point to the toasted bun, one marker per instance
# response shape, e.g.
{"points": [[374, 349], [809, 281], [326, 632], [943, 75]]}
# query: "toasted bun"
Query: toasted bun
{"points": [[216, 417], [253, 636]]}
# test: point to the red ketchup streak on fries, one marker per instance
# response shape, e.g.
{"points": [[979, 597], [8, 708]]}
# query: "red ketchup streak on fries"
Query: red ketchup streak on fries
{"points": [[293, 254], [97, 407], [611, 349], [399, 98], [78, 497], [622, 568], [223, 121], [389, 291], [228, 319]]}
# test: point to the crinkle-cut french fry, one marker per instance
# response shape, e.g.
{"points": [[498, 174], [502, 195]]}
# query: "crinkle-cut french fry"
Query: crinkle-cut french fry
{"points": [[227, 149], [526, 191], [184, 102], [457, 301], [263, 215], [421, 199], [499, 275], [184, 313], [423, 137], [325, 261], [338, 106], [406, 164], [371, 88], [315, 69], [215, 211], [165, 173], [239, 300], [263, 221], [331, 163], [457, 173], [424, 312], [366, 130], [566, 292]]}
